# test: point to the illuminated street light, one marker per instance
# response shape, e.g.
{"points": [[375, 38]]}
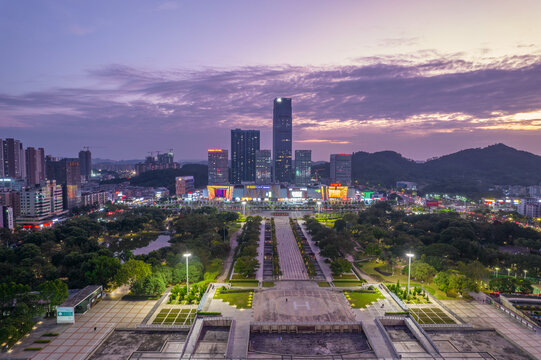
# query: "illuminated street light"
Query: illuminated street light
{"points": [[525, 272], [497, 269], [409, 255], [244, 208], [508, 272], [187, 256]]}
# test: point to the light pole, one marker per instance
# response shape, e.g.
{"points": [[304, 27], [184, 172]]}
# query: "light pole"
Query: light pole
{"points": [[497, 269], [244, 208], [318, 207], [508, 272], [409, 255], [525, 272], [187, 256]]}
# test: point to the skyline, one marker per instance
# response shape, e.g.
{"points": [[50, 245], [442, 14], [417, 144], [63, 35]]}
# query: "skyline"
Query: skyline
{"points": [[370, 79]]}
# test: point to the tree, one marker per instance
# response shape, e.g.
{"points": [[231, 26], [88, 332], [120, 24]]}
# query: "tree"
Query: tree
{"points": [[54, 292], [339, 266], [101, 270], [422, 271], [246, 266], [503, 284], [152, 285], [132, 270], [442, 280]]}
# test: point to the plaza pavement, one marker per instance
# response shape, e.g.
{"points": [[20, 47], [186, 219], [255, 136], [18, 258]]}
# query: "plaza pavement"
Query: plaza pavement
{"points": [[487, 316], [78, 340], [321, 261], [291, 262]]}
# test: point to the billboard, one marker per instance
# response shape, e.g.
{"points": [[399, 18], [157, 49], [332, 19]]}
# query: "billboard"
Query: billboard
{"points": [[334, 192], [65, 315], [218, 192]]}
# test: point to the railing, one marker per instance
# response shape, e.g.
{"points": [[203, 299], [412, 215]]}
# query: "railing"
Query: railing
{"points": [[394, 297]]}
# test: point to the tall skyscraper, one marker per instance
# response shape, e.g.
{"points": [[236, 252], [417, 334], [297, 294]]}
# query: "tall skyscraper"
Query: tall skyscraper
{"points": [[85, 162], [303, 167], [244, 144], [282, 139], [14, 160], [341, 169], [35, 165], [218, 166], [263, 167], [67, 173]]}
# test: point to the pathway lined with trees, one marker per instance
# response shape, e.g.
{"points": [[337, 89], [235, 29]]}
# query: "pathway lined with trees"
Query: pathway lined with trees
{"points": [[291, 262]]}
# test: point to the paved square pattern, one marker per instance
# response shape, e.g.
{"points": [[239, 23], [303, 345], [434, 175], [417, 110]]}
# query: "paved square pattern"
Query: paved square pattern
{"points": [[430, 315], [289, 255], [301, 306], [175, 316], [79, 339]]}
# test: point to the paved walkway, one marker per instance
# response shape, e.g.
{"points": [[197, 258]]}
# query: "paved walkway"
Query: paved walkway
{"points": [[484, 315], [260, 251], [291, 262], [229, 261], [321, 261], [80, 339]]}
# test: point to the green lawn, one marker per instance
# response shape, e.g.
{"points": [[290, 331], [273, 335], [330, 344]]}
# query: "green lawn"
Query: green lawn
{"points": [[240, 299], [347, 283], [240, 277], [345, 277], [244, 283], [359, 300], [268, 283], [323, 284], [169, 316]]}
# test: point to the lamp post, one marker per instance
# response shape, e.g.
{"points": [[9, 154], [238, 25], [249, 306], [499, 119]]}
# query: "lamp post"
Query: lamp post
{"points": [[187, 256], [409, 255], [525, 272], [497, 269], [508, 272], [244, 208], [318, 207]]}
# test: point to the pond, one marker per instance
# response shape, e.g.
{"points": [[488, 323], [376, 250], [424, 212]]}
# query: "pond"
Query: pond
{"points": [[160, 242]]}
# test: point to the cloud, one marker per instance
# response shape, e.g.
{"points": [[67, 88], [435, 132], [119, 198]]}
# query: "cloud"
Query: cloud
{"points": [[411, 95], [394, 42]]}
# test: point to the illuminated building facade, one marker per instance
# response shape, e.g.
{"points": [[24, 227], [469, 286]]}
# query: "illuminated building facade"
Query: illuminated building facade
{"points": [[263, 167], [282, 134], [334, 191], [244, 144], [341, 169], [303, 167], [218, 167], [261, 192], [184, 185], [217, 192]]}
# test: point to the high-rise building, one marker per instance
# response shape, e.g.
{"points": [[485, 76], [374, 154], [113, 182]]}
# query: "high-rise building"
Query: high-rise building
{"points": [[159, 162], [35, 165], [263, 167], [11, 199], [14, 160], [85, 163], [303, 167], [218, 167], [244, 144], [341, 169], [67, 173], [282, 137], [184, 185], [6, 217]]}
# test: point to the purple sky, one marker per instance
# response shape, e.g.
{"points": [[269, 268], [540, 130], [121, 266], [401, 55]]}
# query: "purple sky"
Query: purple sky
{"points": [[422, 78]]}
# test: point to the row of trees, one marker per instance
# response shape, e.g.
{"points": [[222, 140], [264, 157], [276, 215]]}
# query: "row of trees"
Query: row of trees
{"points": [[248, 242]]}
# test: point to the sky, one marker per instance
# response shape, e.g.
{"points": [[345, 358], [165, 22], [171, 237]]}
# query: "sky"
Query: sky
{"points": [[423, 78]]}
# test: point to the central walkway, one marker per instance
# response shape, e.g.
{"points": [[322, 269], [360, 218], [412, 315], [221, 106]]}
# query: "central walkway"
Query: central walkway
{"points": [[291, 262]]}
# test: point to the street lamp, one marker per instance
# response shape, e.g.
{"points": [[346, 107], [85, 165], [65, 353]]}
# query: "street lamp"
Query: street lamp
{"points": [[525, 272], [187, 256], [508, 272], [318, 207], [409, 255], [244, 208], [497, 269]]}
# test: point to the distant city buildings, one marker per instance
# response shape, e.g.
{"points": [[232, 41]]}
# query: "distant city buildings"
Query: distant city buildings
{"points": [[263, 167], [184, 185], [66, 172], [7, 219], [282, 138], [85, 162], [530, 207], [406, 185], [303, 167], [13, 159], [35, 165], [244, 144], [218, 167], [341, 169], [40, 203], [158, 162]]}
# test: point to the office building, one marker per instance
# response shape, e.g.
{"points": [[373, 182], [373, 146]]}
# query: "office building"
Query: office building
{"points": [[96, 198], [11, 199], [303, 167], [341, 169], [6, 217], [85, 163], [13, 159], [244, 144], [218, 167], [530, 207], [35, 165], [184, 185], [40, 204], [67, 173], [263, 167], [282, 139]]}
